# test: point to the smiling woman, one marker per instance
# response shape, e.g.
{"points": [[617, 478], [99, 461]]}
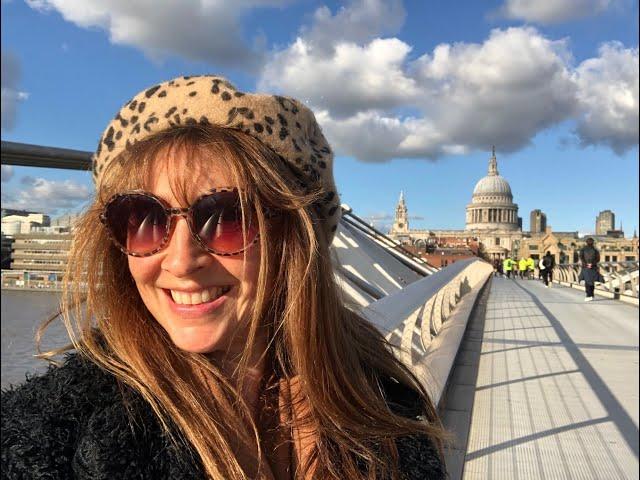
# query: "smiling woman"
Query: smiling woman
{"points": [[213, 340]]}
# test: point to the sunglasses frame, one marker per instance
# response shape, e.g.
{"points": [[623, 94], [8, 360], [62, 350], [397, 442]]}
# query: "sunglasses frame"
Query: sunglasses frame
{"points": [[171, 212]]}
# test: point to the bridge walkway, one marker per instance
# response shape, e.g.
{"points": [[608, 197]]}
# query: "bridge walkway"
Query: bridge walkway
{"points": [[545, 386]]}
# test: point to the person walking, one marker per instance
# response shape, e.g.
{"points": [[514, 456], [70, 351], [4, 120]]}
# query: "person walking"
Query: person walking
{"points": [[506, 265], [589, 257], [531, 267], [522, 268], [548, 263], [496, 267]]}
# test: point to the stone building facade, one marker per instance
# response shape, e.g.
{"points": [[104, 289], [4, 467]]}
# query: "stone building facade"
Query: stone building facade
{"points": [[41, 251], [605, 222], [492, 219], [566, 246], [537, 222], [492, 223]]}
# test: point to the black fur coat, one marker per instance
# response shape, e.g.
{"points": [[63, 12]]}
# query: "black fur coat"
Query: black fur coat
{"points": [[78, 422]]}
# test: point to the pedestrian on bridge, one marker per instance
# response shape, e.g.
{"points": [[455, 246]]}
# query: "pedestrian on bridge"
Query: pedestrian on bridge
{"points": [[507, 266], [589, 258], [531, 268], [522, 268], [548, 263], [210, 338], [497, 267]]}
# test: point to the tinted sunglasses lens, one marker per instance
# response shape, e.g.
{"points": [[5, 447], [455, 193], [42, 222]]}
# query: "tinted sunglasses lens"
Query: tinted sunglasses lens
{"points": [[218, 221], [138, 223]]}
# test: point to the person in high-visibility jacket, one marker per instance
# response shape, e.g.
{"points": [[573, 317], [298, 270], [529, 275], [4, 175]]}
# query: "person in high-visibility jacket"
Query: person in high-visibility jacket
{"points": [[522, 267], [531, 267], [507, 266]]}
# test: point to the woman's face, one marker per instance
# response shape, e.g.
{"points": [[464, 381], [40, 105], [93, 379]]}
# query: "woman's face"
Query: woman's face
{"points": [[174, 283]]}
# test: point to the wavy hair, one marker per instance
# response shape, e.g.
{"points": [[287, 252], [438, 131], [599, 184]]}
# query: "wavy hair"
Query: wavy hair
{"points": [[336, 358]]}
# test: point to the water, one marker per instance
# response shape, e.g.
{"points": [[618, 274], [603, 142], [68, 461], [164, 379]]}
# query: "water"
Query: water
{"points": [[22, 313]]}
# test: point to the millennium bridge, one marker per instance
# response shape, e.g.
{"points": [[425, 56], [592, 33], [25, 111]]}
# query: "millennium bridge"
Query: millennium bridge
{"points": [[532, 382]]}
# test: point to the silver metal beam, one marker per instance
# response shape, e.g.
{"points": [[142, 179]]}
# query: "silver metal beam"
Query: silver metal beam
{"points": [[27, 155]]}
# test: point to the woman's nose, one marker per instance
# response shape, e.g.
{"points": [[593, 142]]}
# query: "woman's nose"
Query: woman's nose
{"points": [[183, 255]]}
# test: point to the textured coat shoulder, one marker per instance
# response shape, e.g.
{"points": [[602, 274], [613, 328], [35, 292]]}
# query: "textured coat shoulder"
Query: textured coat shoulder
{"points": [[77, 421]]}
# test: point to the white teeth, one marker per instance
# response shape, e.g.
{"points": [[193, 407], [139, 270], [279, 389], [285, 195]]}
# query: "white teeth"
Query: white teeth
{"points": [[205, 296], [196, 298]]}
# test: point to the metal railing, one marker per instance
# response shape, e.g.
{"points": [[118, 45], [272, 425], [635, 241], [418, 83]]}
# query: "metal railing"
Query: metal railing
{"points": [[417, 320], [620, 278], [25, 154]]}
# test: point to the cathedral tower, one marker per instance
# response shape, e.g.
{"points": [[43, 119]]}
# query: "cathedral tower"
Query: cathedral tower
{"points": [[401, 222]]}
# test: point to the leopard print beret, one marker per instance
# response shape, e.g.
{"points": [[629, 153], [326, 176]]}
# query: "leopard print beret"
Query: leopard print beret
{"points": [[285, 125]]}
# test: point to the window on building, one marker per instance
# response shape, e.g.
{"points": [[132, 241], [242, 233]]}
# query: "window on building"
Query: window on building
{"points": [[629, 259], [497, 240], [533, 247], [614, 258], [607, 258]]}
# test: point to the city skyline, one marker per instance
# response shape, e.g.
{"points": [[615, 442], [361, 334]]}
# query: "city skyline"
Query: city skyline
{"points": [[408, 100]]}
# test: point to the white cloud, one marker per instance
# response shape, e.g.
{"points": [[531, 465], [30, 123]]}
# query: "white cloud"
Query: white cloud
{"points": [[375, 103], [608, 98], [359, 22], [351, 79], [201, 30], [40, 194], [461, 97], [11, 96], [549, 12], [7, 173], [501, 92]]}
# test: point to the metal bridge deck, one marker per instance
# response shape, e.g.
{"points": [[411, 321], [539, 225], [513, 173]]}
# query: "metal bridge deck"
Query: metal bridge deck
{"points": [[545, 387]]}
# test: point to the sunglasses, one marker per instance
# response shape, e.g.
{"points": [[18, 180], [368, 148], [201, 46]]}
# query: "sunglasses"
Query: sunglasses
{"points": [[139, 223]]}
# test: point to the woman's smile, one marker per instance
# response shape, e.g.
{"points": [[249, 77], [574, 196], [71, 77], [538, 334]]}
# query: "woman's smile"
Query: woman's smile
{"points": [[197, 303]]}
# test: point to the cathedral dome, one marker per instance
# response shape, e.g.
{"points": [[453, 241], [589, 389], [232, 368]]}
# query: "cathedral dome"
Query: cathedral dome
{"points": [[492, 207], [493, 188], [492, 184]]}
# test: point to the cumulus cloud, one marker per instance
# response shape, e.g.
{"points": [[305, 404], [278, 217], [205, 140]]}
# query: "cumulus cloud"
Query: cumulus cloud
{"points": [[359, 22], [11, 94], [49, 196], [462, 96], [375, 102], [549, 12], [7, 173], [201, 30], [351, 79], [501, 92], [608, 98]]}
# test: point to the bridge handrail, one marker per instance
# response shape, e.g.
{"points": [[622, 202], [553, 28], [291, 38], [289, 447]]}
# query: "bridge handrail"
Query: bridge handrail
{"points": [[417, 320], [621, 278]]}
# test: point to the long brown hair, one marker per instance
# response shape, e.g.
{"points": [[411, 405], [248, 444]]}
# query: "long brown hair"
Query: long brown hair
{"points": [[336, 357]]}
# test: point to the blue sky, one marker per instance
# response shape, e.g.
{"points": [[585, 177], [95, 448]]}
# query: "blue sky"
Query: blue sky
{"points": [[410, 94]]}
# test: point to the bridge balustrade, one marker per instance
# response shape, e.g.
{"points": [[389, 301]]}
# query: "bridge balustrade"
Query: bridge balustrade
{"points": [[620, 278], [426, 320]]}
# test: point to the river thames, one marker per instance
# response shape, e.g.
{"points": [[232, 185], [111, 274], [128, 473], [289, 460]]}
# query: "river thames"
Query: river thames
{"points": [[22, 313]]}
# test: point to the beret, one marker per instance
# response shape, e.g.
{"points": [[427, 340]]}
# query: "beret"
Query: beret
{"points": [[283, 124]]}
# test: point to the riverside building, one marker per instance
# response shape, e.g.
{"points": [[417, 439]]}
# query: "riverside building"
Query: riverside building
{"points": [[39, 253]]}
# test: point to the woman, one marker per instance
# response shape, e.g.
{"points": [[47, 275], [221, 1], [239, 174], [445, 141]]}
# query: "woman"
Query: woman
{"points": [[211, 339]]}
